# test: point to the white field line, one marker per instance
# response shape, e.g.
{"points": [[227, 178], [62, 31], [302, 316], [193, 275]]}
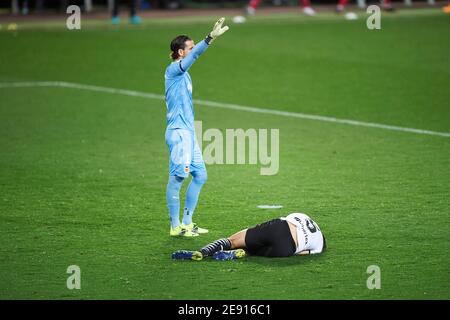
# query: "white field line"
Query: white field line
{"points": [[220, 105]]}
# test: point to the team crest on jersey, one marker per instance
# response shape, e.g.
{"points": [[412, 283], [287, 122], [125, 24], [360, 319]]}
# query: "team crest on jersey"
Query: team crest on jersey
{"points": [[186, 169]]}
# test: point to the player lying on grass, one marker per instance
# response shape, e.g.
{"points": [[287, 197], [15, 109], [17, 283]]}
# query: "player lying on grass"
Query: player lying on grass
{"points": [[296, 234]]}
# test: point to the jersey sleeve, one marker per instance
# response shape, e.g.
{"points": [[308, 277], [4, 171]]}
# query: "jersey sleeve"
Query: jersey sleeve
{"points": [[173, 70], [187, 62]]}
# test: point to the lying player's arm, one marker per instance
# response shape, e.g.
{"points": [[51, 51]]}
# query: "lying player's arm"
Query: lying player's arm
{"points": [[307, 252], [217, 31]]}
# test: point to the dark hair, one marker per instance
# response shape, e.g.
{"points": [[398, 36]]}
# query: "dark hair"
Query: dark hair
{"points": [[324, 243], [176, 44]]}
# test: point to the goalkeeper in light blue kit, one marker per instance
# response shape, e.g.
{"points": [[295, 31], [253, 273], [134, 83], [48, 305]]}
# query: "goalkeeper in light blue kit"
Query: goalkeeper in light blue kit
{"points": [[185, 154]]}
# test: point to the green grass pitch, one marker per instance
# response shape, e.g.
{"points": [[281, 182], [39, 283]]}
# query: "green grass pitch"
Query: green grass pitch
{"points": [[83, 174]]}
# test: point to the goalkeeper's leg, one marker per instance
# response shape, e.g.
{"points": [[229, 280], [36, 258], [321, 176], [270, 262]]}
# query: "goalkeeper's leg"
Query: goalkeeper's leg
{"points": [[198, 180], [173, 199]]}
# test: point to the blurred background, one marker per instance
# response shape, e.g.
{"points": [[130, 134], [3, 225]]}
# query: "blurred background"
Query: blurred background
{"points": [[35, 7]]}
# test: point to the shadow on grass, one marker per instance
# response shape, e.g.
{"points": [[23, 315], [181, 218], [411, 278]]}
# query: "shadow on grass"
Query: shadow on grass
{"points": [[282, 262]]}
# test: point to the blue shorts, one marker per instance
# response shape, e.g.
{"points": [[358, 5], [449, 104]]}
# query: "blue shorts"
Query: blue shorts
{"points": [[185, 155]]}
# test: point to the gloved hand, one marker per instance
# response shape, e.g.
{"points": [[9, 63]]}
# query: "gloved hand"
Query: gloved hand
{"points": [[218, 30]]}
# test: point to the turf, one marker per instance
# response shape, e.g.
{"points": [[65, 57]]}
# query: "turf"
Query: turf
{"points": [[83, 173]]}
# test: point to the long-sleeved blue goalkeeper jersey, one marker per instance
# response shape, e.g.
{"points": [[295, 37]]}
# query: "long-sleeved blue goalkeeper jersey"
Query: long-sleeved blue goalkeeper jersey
{"points": [[180, 109]]}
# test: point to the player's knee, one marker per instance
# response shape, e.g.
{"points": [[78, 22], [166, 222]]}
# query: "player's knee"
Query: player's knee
{"points": [[179, 179], [201, 177], [175, 180]]}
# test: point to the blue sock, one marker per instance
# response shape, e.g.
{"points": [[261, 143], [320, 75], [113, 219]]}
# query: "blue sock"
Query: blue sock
{"points": [[173, 199], [198, 180]]}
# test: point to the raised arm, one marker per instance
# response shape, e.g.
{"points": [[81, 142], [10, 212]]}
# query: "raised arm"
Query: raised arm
{"points": [[217, 31], [187, 62]]}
